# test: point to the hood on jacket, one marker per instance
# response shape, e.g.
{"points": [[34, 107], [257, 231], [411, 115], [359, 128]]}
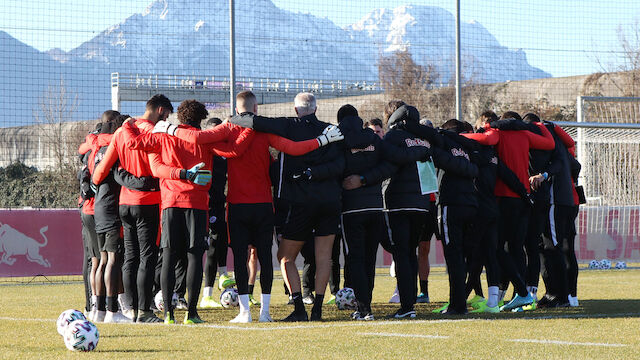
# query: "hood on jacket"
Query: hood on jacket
{"points": [[355, 136], [405, 113]]}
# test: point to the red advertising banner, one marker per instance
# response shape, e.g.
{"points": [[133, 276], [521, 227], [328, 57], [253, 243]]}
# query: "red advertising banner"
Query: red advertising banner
{"points": [[49, 242], [40, 242]]}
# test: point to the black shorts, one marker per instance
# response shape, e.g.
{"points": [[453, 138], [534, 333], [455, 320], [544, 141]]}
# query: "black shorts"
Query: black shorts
{"points": [[184, 228], [305, 221], [250, 223], [431, 224], [89, 235], [110, 241]]}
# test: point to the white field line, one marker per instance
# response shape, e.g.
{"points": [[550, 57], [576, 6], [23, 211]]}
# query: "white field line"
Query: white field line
{"points": [[405, 335], [277, 326], [557, 342]]}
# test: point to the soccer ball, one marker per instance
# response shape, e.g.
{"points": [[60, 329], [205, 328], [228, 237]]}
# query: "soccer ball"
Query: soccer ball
{"points": [[81, 335], [229, 297], [346, 299], [159, 301], [594, 264], [621, 265], [605, 264], [67, 317]]}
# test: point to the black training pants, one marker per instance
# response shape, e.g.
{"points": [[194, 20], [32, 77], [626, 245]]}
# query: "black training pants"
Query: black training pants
{"points": [[406, 227], [537, 221], [552, 259], [455, 225], [140, 224], [512, 230], [217, 251]]}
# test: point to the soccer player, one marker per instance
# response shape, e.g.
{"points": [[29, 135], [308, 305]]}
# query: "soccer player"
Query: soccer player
{"points": [[139, 210], [107, 222], [376, 126], [250, 203], [406, 202], [311, 185]]}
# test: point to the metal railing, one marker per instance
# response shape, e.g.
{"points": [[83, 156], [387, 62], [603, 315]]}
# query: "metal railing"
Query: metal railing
{"points": [[222, 83]]}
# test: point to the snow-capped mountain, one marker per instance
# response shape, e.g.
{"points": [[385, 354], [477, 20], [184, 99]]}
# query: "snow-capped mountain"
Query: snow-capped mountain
{"points": [[191, 38]]}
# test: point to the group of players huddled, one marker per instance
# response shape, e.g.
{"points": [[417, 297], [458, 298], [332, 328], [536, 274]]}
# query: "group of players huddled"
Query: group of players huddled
{"points": [[502, 198]]}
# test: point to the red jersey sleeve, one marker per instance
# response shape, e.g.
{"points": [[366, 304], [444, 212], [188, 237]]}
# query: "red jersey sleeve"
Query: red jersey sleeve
{"points": [[86, 145], [110, 158], [489, 137], [218, 133], [234, 147], [566, 139], [544, 142], [162, 170], [292, 147]]}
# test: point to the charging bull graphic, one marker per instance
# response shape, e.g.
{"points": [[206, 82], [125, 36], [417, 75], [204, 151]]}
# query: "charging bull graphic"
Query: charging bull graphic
{"points": [[13, 242]]}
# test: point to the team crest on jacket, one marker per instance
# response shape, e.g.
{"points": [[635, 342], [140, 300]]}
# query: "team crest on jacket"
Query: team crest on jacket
{"points": [[494, 160], [459, 152], [417, 142], [368, 148]]}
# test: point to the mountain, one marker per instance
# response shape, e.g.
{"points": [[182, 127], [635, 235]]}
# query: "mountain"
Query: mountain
{"points": [[191, 38], [429, 34]]}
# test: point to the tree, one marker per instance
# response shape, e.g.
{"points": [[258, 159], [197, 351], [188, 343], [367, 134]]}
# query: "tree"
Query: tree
{"points": [[624, 74], [57, 105]]}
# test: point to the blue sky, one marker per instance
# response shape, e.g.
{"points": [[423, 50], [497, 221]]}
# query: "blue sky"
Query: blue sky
{"points": [[562, 37]]}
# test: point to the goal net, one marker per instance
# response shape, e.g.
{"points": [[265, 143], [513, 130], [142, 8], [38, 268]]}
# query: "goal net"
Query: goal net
{"points": [[607, 134]]}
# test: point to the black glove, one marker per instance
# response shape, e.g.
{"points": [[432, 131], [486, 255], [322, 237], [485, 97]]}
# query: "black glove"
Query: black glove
{"points": [[303, 175]]}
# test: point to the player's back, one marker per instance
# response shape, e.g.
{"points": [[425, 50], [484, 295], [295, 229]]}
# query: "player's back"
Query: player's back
{"points": [[135, 162], [249, 181], [513, 151]]}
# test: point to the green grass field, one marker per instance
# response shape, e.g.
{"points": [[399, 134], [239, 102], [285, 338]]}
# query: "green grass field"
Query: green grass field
{"points": [[604, 326]]}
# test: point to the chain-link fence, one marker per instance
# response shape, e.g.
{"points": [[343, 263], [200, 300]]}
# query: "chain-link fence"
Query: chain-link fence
{"points": [[65, 62]]}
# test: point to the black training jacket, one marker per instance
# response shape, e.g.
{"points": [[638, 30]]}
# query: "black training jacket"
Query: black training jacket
{"points": [[326, 163], [489, 169], [456, 172], [561, 188], [403, 192], [107, 197], [373, 159]]}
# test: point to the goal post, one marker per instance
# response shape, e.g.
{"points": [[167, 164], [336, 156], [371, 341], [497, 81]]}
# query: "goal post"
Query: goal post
{"points": [[607, 135]]}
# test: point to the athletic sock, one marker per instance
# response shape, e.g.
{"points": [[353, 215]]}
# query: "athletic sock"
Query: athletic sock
{"points": [[207, 292], [317, 302], [112, 303], [492, 301], [102, 303], [501, 295], [124, 301], [222, 270], [251, 286], [533, 290], [424, 287], [94, 301], [297, 302], [265, 301]]}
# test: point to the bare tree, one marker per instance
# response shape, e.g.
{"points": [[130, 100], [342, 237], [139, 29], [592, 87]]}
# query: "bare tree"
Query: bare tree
{"points": [[57, 105], [625, 73]]}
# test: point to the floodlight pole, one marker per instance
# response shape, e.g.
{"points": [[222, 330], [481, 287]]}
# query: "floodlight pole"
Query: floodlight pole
{"points": [[458, 89], [232, 61]]}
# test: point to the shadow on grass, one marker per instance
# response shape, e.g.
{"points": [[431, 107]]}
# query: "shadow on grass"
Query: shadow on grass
{"points": [[126, 351], [127, 336]]}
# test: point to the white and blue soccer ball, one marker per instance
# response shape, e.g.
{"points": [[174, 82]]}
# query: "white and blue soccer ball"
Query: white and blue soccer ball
{"points": [[159, 301], [229, 297], [81, 335], [346, 299], [66, 318], [594, 264], [605, 264], [621, 265]]}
